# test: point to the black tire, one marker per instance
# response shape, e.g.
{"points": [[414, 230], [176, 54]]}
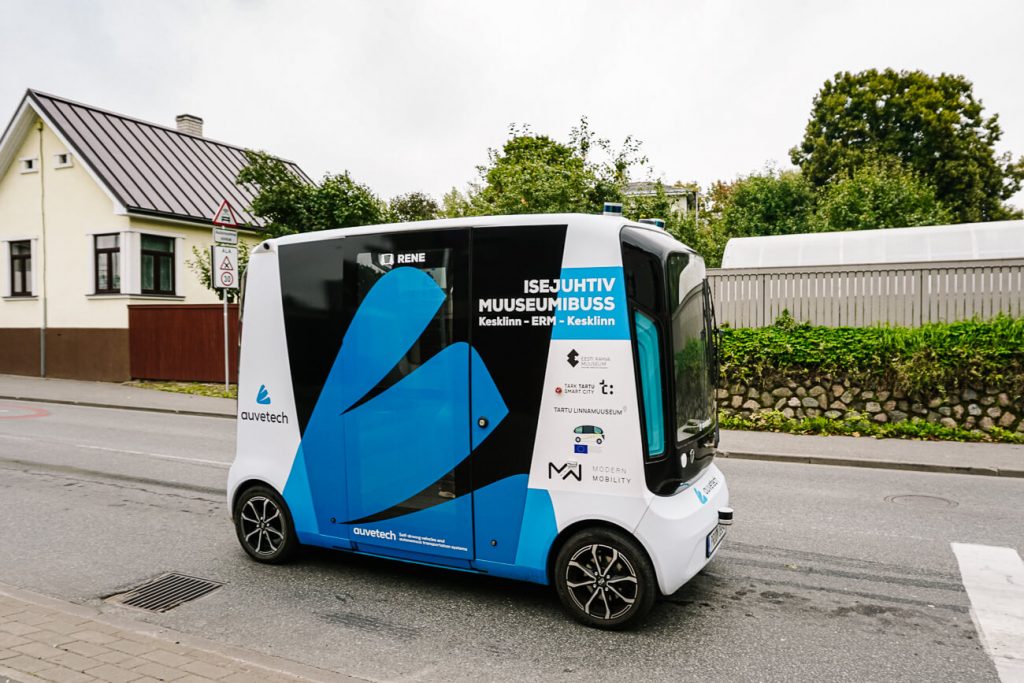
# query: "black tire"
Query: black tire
{"points": [[267, 537], [623, 580]]}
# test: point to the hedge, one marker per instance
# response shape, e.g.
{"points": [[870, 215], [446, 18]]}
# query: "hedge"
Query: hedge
{"points": [[930, 360]]}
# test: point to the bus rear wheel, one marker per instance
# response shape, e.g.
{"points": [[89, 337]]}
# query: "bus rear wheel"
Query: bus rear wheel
{"points": [[264, 526], [604, 579]]}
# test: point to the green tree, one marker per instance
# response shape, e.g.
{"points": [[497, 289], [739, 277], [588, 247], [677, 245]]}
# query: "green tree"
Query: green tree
{"points": [[414, 206], [769, 203], [878, 194], [288, 204], [200, 265], [537, 174], [932, 124]]}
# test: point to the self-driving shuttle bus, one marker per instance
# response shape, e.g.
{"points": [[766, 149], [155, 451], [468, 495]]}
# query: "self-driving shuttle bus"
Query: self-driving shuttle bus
{"points": [[530, 397]]}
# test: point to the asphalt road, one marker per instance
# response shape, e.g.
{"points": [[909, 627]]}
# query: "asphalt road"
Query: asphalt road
{"points": [[829, 573]]}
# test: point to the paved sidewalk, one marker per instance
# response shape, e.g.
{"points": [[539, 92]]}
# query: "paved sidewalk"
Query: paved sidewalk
{"points": [[42, 639], [1005, 460], [992, 459], [110, 394]]}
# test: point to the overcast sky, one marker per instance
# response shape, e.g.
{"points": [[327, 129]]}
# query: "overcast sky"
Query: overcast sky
{"points": [[409, 95]]}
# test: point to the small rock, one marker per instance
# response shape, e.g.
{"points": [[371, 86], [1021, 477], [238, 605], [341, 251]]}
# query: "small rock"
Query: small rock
{"points": [[918, 408], [986, 424], [793, 402], [801, 392], [816, 391], [782, 392], [945, 410], [1020, 427], [867, 395], [958, 412], [838, 405], [994, 412], [809, 402], [889, 406], [933, 417], [903, 405], [1004, 400], [766, 399], [838, 390], [969, 422], [751, 404], [872, 407], [882, 395], [721, 393], [812, 412], [753, 393], [847, 396], [935, 402], [987, 400], [1007, 419], [778, 404], [969, 394], [788, 412], [898, 393], [833, 414], [880, 417], [737, 401], [897, 416], [948, 422], [974, 409], [737, 389]]}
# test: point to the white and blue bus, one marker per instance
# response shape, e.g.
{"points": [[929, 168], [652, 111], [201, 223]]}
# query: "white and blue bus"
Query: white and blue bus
{"points": [[530, 397]]}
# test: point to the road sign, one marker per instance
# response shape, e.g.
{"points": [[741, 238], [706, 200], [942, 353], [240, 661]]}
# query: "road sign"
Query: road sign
{"points": [[224, 267], [225, 216], [225, 236]]}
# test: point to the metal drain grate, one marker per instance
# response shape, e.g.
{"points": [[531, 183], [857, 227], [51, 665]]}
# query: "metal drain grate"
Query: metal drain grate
{"points": [[166, 592]]}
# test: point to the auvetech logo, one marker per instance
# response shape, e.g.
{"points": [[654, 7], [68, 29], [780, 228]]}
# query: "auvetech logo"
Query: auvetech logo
{"points": [[263, 399]]}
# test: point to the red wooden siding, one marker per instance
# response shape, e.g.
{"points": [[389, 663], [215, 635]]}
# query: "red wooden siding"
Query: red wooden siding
{"points": [[182, 342]]}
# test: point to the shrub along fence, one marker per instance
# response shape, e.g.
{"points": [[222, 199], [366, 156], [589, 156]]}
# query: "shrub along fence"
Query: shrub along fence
{"points": [[946, 379]]}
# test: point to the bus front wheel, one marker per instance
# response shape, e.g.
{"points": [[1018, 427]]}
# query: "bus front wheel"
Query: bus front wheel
{"points": [[604, 579], [264, 526]]}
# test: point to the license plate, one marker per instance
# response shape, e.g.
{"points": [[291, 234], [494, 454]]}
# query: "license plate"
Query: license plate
{"points": [[714, 538]]}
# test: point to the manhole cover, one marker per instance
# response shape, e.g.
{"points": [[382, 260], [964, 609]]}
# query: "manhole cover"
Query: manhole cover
{"points": [[921, 500], [165, 592]]}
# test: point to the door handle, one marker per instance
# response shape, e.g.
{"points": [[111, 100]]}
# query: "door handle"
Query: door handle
{"points": [[482, 422]]}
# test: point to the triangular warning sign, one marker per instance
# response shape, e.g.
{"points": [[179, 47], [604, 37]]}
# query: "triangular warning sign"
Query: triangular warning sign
{"points": [[226, 264], [225, 216]]}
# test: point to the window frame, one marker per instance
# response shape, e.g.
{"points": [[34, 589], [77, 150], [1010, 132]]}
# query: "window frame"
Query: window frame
{"points": [[157, 271], [25, 276], [106, 252]]}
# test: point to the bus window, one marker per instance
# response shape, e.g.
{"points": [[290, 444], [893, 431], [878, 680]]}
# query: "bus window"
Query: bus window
{"points": [[648, 347]]}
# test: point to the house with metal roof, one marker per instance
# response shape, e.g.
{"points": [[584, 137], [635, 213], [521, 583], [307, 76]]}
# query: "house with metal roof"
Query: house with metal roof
{"points": [[99, 211]]}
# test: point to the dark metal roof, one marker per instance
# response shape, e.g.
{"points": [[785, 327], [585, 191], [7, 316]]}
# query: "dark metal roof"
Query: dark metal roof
{"points": [[151, 169]]}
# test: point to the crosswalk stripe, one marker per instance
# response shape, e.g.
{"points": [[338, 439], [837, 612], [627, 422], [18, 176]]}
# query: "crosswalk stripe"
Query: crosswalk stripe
{"points": [[994, 579]]}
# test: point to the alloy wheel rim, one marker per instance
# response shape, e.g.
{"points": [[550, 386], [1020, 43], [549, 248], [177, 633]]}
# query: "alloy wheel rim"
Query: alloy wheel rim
{"points": [[262, 525], [601, 581]]}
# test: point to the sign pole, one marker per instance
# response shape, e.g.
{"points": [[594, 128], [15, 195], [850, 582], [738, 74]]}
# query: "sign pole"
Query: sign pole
{"points": [[224, 269]]}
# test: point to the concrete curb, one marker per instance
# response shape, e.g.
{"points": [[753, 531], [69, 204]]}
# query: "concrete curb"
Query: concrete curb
{"points": [[92, 404], [875, 464], [272, 665]]}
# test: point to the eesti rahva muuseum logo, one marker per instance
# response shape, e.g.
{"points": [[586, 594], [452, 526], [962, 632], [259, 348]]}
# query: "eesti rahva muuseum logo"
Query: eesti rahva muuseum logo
{"points": [[263, 396]]}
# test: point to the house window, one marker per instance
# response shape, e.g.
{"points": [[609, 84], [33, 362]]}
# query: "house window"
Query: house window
{"points": [[108, 264], [28, 165], [21, 268], [157, 265], [62, 160]]}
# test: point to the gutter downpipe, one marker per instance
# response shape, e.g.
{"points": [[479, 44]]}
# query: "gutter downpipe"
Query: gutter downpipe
{"points": [[42, 269]]}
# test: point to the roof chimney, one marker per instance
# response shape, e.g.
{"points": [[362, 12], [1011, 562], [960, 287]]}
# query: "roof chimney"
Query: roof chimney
{"points": [[193, 125]]}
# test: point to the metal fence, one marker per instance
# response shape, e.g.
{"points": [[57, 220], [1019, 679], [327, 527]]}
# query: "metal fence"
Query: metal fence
{"points": [[907, 294]]}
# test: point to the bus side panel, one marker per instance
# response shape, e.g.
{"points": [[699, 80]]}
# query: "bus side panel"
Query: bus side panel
{"points": [[268, 431]]}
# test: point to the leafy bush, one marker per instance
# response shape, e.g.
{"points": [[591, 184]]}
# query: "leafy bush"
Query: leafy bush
{"points": [[916, 428], [930, 360]]}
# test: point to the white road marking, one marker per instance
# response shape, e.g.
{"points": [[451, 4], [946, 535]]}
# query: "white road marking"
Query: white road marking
{"points": [[994, 579], [160, 456]]}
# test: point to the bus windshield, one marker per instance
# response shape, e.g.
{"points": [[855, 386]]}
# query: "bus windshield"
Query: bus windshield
{"points": [[691, 351]]}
